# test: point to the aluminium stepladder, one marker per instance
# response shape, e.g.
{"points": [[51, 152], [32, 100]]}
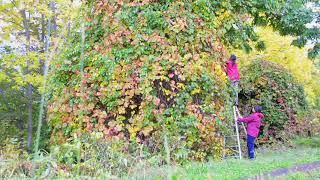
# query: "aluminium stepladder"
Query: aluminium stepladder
{"points": [[232, 142]]}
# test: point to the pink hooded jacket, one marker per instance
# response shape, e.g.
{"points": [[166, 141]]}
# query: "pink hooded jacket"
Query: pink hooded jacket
{"points": [[232, 71], [254, 123]]}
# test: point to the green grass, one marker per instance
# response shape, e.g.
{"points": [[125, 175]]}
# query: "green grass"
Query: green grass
{"points": [[311, 142], [267, 160], [234, 169]]}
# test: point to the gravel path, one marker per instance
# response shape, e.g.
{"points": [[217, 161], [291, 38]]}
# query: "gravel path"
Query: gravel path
{"points": [[284, 171]]}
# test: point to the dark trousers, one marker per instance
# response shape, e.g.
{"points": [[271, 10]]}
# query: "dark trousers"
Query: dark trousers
{"points": [[235, 85], [250, 145]]}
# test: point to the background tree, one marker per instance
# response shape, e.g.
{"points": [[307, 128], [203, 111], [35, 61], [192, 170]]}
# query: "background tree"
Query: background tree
{"points": [[24, 28], [278, 49]]}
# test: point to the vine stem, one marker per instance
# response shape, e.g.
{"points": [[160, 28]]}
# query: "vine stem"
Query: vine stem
{"points": [[48, 58], [43, 94], [83, 38]]}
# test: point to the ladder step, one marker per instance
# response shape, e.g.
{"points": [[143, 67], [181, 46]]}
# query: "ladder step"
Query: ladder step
{"points": [[235, 156], [231, 146], [234, 150], [230, 136]]}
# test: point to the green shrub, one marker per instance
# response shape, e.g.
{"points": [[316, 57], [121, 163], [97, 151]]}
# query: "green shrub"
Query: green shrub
{"points": [[273, 87], [7, 130]]}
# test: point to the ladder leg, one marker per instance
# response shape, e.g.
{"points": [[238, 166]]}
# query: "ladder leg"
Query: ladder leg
{"points": [[224, 149], [237, 131], [238, 113]]}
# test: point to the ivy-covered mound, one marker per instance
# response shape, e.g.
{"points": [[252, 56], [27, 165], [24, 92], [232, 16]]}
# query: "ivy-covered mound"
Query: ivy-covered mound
{"points": [[273, 87], [151, 70]]}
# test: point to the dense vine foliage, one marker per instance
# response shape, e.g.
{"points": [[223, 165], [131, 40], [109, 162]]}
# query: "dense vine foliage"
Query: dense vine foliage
{"points": [[154, 69], [146, 75], [273, 87]]}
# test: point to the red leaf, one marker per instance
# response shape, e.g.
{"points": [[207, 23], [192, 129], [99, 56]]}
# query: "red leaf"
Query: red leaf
{"points": [[156, 102]]}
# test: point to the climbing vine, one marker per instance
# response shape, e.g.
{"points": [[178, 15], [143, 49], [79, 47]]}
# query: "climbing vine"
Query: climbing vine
{"points": [[155, 68], [145, 74]]}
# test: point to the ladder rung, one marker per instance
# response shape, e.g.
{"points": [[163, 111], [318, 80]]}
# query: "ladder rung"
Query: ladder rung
{"points": [[231, 146], [234, 150], [235, 145], [235, 156], [230, 136]]}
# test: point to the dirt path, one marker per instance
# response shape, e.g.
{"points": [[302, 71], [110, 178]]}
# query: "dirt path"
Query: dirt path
{"points": [[284, 171]]}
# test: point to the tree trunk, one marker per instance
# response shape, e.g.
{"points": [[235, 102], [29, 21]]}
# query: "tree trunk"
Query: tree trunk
{"points": [[54, 18], [43, 28], [30, 113], [45, 74], [42, 40], [69, 29], [20, 127], [29, 89]]}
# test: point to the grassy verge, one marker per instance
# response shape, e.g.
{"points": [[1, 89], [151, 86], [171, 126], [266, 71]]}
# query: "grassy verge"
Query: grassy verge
{"points": [[310, 142], [266, 160], [48, 167]]}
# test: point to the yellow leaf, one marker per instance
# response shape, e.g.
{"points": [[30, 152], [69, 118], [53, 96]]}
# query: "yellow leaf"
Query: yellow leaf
{"points": [[121, 110], [195, 91]]}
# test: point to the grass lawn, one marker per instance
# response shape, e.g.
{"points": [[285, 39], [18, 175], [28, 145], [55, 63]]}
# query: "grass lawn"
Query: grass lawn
{"points": [[266, 160]]}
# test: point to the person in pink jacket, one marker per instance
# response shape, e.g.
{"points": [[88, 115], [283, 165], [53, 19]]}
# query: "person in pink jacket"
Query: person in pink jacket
{"points": [[233, 75], [253, 122]]}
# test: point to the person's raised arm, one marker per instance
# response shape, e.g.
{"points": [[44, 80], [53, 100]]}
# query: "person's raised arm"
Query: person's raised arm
{"points": [[225, 67], [246, 119]]}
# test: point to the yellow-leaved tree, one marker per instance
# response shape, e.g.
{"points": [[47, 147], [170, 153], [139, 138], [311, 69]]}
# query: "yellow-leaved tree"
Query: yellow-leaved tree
{"points": [[279, 50]]}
